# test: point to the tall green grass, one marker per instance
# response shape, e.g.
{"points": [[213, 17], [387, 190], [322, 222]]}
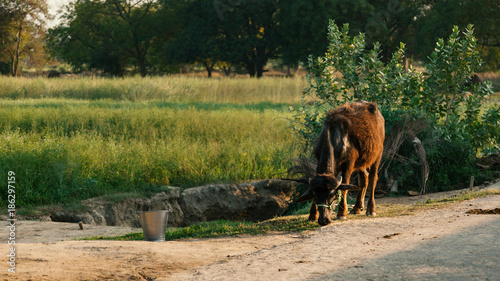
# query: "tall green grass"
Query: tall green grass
{"points": [[63, 150], [174, 89]]}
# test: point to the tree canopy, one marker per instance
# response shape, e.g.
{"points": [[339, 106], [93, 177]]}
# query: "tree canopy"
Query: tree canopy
{"points": [[146, 36], [21, 32], [107, 35]]}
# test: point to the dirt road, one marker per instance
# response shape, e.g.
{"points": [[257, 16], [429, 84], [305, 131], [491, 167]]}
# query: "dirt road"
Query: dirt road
{"points": [[443, 244]]}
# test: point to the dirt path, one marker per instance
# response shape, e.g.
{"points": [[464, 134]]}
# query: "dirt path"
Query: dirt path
{"points": [[443, 244]]}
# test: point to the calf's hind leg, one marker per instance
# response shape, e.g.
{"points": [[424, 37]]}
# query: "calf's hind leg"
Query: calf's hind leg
{"points": [[363, 184], [372, 183]]}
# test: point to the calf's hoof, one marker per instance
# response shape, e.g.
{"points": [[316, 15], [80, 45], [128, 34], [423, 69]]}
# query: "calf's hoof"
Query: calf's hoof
{"points": [[355, 211], [341, 217], [324, 221], [371, 214]]}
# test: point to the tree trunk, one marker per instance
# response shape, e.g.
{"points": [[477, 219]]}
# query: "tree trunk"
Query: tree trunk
{"points": [[297, 68], [260, 70], [289, 67], [142, 66], [250, 66], [227, 70], [209, 67], [260, 60], [15, 61]]}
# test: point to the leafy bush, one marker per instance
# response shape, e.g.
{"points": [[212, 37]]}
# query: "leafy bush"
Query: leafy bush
{"points": [[459, 125]]}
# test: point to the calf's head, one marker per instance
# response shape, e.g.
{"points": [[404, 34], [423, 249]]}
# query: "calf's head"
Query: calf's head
{"points": [[323, 191]]}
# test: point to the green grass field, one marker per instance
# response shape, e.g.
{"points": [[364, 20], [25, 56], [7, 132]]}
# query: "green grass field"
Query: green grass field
{"points": [[68, 140], [72, 139], [173, 89]]}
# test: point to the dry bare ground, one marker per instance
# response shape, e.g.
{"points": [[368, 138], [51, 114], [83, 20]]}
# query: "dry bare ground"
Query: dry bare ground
{"points": [[440, 244]]}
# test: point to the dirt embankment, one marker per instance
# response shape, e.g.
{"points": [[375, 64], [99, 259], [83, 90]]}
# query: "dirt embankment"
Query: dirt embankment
{"points": [[441, 244], [495, 211]]}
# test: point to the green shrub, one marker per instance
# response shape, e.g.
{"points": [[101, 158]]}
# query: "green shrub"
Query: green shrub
{"points": [[459, 124], [451, 159]]}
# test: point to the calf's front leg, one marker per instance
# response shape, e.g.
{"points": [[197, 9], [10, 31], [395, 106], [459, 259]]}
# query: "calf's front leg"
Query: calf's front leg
{"points": [[342, 210], [313, 212]]}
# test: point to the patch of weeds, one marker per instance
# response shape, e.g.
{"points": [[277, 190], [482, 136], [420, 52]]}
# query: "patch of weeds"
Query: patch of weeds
{"points": [[293, 223], [288, 224], [224, 228], [462, 196], [394, 210], [214, 229]]}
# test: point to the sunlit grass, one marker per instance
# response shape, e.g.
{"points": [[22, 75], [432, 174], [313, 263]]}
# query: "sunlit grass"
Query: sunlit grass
{"points": [[173, 89], [63, 150]]}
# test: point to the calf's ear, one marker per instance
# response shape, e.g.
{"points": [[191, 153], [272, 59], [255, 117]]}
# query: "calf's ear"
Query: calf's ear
{"points": [[350, 187], [308, 195]]}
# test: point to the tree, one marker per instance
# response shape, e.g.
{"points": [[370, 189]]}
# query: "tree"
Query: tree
{"points": [[199, 35], [392, 22], [302, 27], [21, 29], [250, 30], [107, 35], [440, 16], [140, 25], [302, 22], [228, 32], [6, 18]]}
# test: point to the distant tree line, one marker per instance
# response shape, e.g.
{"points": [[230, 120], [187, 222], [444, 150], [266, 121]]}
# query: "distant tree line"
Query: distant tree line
{"points": [[156, 36]]}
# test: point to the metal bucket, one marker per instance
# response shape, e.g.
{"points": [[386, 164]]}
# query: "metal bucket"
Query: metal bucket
{"points": [[154, 224]]}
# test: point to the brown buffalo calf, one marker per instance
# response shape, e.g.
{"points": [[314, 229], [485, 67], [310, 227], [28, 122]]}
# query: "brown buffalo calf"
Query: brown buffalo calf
{"points": [[352, 139]]}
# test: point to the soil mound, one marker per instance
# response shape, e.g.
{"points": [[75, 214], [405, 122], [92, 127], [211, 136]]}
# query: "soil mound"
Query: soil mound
{"points": [[495, 211]]}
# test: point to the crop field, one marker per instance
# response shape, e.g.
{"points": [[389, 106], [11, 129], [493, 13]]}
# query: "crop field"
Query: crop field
{"points": [[173, 89], [71, 139]]}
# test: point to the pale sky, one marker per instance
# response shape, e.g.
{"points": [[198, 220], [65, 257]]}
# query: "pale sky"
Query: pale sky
{"points": [[54, 6]]}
